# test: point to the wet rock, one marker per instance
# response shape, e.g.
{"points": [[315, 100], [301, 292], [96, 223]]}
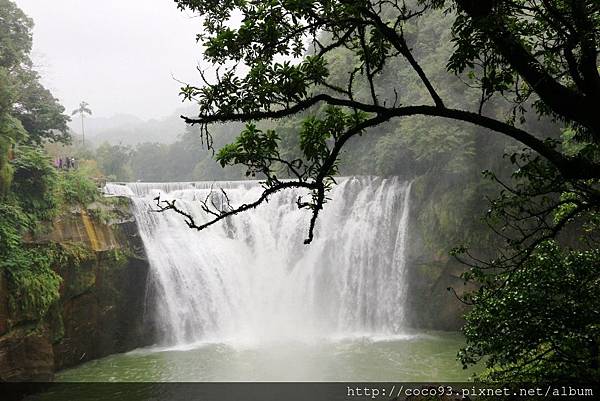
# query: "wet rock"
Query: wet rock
{"points": [[107, 317], [26, 356], [101, 306]]}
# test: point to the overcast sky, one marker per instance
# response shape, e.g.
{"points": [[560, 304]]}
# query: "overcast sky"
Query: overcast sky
{"points": [[118, 55]]}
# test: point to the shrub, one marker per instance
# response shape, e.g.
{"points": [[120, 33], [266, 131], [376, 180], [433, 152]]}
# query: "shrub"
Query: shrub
{"points": [[76, 187], [34, 182]]}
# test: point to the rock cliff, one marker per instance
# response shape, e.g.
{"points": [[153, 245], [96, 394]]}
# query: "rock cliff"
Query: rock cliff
{"points": [[102, 297]]}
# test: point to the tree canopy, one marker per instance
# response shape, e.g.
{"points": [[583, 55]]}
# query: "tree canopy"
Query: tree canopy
{"points": [[334, 66], [520, 50], [29, 114]]}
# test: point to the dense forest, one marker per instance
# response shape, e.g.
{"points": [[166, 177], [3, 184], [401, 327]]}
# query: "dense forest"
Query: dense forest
{"points": [[489, 108], [32, 191], [516, 84]]}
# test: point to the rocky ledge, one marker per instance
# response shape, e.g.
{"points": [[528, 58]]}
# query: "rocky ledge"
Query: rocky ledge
{"points": [[101, 306]]}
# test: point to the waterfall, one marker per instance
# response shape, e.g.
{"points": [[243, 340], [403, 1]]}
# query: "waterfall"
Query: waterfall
{"points": [[251, 278]]}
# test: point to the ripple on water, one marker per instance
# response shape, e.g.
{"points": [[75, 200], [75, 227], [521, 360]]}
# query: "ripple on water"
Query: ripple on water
{"points": [[414, 357]]}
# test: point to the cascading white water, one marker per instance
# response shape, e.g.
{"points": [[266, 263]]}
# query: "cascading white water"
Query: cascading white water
{"points": [[252, 279]]}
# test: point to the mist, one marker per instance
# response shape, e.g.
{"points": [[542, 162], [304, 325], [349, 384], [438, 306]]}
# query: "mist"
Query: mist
{"points": [[122, 57], [400, 191]]}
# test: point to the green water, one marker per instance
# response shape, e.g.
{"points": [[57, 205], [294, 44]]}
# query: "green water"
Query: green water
{"points": [[417, 357]]}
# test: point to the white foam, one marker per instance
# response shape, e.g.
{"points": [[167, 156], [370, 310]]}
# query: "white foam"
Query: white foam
{"points": [[251, 280]]}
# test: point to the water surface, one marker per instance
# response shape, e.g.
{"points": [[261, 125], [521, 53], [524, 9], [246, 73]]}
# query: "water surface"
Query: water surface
{"points": [[415, 357]]}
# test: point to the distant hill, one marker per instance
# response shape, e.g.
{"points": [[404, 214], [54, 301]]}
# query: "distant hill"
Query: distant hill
{"points": [[128, 129]]}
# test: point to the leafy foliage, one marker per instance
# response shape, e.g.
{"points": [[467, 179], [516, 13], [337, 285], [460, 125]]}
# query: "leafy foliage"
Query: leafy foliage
{"points": [[543, 322], [361, 64], [536, 314], [523, 49], [253, 148], [253, 84], [40, 113], [28, 111], [38, 193], [112, 160], [77, 188], [34, 183], [33, 285], [32, 191], [82, 109], [184, 160]]}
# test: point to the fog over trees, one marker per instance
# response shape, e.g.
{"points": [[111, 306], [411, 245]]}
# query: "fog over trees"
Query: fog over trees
{"points": [[488, 108]]}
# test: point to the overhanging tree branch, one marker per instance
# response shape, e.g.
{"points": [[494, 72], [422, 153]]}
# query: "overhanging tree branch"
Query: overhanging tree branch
{"points": [[570, 167], [561, 99], [190, 220], [372, 31]]}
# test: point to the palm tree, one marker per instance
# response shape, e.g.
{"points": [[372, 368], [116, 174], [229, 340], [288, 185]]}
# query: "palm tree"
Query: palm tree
{"points": [[82, 111]]}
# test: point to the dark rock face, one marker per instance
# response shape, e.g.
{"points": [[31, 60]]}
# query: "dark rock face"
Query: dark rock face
{"points": [[101, 306], [430, 305], [26, 356], [4, 313], [105, 318]]}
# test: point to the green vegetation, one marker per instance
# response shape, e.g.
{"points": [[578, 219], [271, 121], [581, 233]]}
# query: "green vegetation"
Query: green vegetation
{"points": [[82, 110], [32, 191], [430, 90], [184, 160], [536, 316], [34, 183], [28, 112], [437, 90], [543, 323], [29, 273], [77, 188], [38, 193]]}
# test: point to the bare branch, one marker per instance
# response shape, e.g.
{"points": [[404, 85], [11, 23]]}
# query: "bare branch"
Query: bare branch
{"points": [[165, 204]]}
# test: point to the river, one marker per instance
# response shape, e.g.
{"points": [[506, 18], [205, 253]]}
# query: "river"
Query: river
{"points": [[247, 301], [416, 357]]}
